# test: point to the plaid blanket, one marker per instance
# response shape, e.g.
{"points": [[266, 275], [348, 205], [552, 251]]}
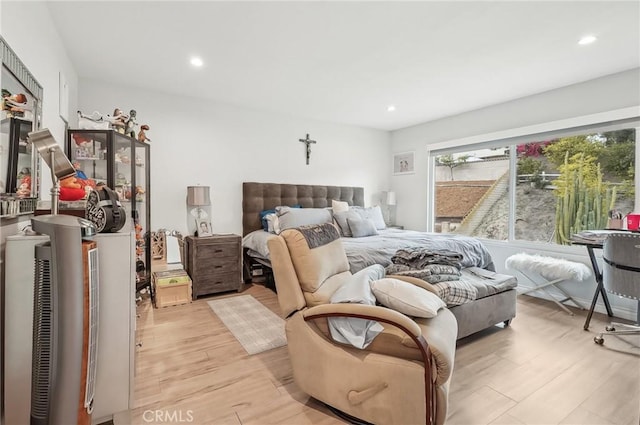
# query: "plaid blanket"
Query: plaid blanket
{"points": [[439, 267]]}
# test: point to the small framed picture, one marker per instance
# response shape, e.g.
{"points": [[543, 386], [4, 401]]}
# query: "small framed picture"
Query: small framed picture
{"points": [[204, 228], [403, 163]]}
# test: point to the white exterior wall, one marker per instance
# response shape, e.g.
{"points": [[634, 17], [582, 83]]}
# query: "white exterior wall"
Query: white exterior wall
{"points": [[481, 170]]}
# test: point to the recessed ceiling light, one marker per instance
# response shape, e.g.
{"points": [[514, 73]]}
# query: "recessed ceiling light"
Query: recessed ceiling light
{"points": [[587, 39], [391, 108], [196, 61]]}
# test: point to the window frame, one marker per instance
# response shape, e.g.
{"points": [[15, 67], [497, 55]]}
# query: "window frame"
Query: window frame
{"points": [[605, 121]]}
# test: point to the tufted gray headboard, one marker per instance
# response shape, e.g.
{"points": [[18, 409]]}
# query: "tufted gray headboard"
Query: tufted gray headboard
{"points": [[257, 197]]}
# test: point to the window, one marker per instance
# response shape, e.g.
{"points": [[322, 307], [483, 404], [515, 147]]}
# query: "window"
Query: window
{"points": [[538, 188]]}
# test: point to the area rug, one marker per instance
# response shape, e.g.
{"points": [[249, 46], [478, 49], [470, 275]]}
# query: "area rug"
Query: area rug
{"points": [[256, 327]]}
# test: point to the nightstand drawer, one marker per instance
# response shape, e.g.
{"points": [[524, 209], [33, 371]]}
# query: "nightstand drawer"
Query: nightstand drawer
{"points": [[218, 250], [218, 283], [217, 265]]}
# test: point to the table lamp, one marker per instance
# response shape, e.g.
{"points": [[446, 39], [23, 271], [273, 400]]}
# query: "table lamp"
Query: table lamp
{"points": [[391, 203], [198, 197]]}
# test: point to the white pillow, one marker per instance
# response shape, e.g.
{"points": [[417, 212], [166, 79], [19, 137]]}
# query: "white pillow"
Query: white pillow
{"points": [[338, 206], [372, 213], [273, 223], [406, 298], [296, 217]]}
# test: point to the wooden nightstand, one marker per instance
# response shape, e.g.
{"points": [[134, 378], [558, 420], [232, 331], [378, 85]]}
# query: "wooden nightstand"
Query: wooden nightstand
{"points": [[214, 263]]}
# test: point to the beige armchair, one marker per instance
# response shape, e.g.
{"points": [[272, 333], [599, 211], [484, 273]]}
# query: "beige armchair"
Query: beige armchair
{"points": [[402, 377]]}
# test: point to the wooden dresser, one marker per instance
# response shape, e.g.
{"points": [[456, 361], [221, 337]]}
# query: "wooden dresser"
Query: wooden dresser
{"points": [[214, 263]]}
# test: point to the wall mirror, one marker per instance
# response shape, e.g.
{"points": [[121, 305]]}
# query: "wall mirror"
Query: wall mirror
{"points": [[20, 113]]}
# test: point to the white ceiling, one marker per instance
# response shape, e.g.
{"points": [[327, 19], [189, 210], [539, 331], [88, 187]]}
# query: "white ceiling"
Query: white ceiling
{"points": [[347, 61]]}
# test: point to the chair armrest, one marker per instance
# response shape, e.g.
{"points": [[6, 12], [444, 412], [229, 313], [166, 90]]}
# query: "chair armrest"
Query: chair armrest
{"points": [[363, 311]]}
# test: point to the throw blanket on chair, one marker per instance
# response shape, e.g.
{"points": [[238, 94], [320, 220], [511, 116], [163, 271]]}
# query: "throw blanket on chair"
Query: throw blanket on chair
{"points": [[319, 234]]}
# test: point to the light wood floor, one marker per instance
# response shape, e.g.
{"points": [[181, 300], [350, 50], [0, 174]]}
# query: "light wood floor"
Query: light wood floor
{"points": [[544, 369]]}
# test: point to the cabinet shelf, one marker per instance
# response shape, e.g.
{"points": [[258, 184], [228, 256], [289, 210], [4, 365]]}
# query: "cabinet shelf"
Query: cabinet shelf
{"points": [[100, 154], [19, 161]]}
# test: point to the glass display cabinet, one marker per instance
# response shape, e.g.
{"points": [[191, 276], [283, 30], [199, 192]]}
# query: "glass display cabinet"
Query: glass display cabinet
{"points": [[17, 171], [17, 183], [20, 113], [122, 164]]}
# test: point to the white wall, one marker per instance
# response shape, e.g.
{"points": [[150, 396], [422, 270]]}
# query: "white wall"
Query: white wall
{"points": [[601, 95], [40, 48], [207, 143]]}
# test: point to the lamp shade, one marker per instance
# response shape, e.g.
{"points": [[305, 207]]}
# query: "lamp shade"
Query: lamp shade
{"points": [[198, 196], [391, 198]]}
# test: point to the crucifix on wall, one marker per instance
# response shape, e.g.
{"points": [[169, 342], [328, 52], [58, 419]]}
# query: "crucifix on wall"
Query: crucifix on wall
{"points": [[308, 142]]}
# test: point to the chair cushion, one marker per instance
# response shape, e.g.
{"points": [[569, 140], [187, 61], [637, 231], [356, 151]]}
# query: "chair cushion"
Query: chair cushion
{"points": [[406, 298], [315, 265]]}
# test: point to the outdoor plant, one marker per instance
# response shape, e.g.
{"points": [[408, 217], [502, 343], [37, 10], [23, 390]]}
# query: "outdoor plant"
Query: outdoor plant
{"points": [[533, 168], [583, 201], [589, 146], [531, 149], [451, 162]]}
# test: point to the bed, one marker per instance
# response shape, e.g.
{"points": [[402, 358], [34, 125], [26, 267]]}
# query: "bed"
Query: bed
{"points": [[377, 249]]}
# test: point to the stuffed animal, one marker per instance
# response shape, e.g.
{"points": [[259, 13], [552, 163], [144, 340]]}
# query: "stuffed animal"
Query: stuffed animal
{"points": [[71, 189], [75, 188]]}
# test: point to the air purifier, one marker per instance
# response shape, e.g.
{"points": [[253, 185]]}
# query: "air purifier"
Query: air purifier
{"points": [[65, 321]]}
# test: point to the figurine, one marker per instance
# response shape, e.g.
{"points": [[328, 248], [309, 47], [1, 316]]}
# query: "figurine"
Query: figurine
{"points": [[24, 183], [15, 105], [95, 121], [121, 156], [24, 188], [140, 194], [130, 129], [142, 137], [82, 178], [119, 120], [79, 173], [81, 141]]}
